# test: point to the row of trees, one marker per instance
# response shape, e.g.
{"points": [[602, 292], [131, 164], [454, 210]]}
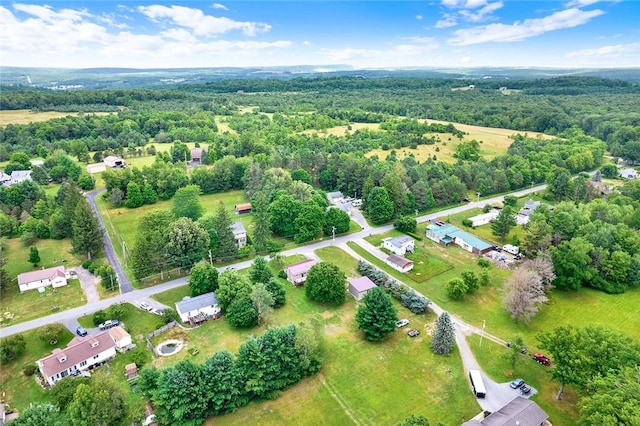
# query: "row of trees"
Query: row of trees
{"points": [[264, 366]]}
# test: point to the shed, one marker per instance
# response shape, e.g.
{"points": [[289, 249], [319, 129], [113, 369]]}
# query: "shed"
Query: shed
{"points": [[131, 371], [358, 287], [114, 162], [206, 304], [243, 208], [399, 263], [196, 155]]}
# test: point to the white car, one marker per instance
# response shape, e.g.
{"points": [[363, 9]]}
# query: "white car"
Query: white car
{"points": [[156, 311], [402, 323], [145, 306]]}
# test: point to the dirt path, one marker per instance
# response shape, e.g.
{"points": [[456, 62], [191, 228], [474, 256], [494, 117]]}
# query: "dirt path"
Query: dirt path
{"points": [[339, 400]]}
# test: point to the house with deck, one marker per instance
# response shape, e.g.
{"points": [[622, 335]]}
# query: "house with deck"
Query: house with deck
{"points": [[399, 245], [297, 272], [446, 234], [54, 277], [206, 305]]}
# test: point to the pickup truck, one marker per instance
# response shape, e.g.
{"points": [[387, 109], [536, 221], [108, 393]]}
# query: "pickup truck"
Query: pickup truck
{"points": [[109, 324]]}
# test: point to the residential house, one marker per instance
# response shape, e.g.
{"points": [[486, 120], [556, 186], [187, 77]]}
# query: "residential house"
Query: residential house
{"points": [[4, 178], [239, 234], [82, 353], [523, 216], [446, 234], [114, 162], [483, 219], [335, 197], [358, 287], [17, 176], [196, 155], [399, 245], [121, 338], [519, 411], [243, 208], [625, 174], [190, 307], [297, 273], [54, 277], [400, 263]]}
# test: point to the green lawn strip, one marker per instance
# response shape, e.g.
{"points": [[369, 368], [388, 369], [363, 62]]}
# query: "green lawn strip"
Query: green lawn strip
{"points": [[19, 390], [342, 260], [491, 357], [376, 239]]}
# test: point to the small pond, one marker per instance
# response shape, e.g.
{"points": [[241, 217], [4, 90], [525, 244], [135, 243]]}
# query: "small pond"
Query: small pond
{"points": [[169, 347]]}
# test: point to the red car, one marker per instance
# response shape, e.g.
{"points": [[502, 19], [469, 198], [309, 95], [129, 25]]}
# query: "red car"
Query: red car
{"points": [[541, 359]]}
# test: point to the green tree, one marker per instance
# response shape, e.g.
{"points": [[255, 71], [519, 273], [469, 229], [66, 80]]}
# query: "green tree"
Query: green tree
{"points": [[203, 278], [503, 223], [134, 195], [149, 196], [278, 292], [560, 184], [259, 272], [379, 206], [148, 254], [581, 354], [405, 224], [108, 277], [325, 284], [242, 313], [186, 202], [262, 301], [471, 281], [572, 264], [227, 248], [187, 242], [609, 170], [40, 415], [309, 222], [376, 315], [99, 403], [456, 289], [51, 332], [444, 335], [87, 235], [301, 175], [223, 382], [34, 256], [8, 225], [309, 345], [12, 347], [336, 218], [261, 220], [173, 404], [514, 351], [283, 212], [613, 399], [232, 285], [414, 420]]}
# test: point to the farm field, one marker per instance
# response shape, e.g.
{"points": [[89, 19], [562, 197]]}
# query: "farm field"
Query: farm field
{"points": [[25, 116]]}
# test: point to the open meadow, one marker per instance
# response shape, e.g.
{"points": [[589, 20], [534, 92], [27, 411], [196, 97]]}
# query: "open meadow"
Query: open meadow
{"points": [[25, 116]]}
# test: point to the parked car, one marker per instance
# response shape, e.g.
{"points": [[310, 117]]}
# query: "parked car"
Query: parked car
{"points": [[145, 306], [541, 359], [80, 331], [525, 389], [156, 311], [402, 323], [517, 383], [109, 324], [413, 332], [523, 350]]}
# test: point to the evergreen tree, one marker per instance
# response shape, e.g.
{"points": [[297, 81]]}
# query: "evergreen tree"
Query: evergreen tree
{"points": [[87, 235], [227, 248], [259, 272], [444, 337], [261, 219], [149, 254], [503, 223], [223, 382], [134, 195], [379, 206], [278, 292], [34, 256], [376, 316]]}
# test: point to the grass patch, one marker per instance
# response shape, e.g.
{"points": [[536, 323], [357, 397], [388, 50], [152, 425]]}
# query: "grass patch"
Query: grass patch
{"points": [[25, 116], [342, 260], [426, 265], [172, 296]]}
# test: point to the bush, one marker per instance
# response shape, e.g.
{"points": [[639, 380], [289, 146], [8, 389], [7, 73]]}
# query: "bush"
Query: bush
{"points": [[405, 224], [282, 274], [86, 264], [92, 267], [29, 369], [468, 223], [456, 289], [99, 317], [483, 262]]}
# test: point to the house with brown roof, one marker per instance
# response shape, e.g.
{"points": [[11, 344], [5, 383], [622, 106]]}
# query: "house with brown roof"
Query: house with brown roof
{"points": [[358, 287], [399, 263], [121, 338], [243, 208], [54, 277], [81, 354], [297, 273], [196, 155]]}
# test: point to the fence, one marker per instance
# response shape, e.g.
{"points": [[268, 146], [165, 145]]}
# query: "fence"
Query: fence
{"points": [[154, 333]]}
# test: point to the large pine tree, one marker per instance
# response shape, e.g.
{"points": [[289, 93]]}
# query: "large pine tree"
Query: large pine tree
{"points": [[226, 242], [377, 316], [261, 219], [87, 236], [443, 338]]}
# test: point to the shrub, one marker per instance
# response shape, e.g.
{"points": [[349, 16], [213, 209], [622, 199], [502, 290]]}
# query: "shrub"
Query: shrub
{"points": [[86, 264], [99, 317], [282, 274], [456, 289], [92, 267], [483, 262], [468, 223], [29, 369]]}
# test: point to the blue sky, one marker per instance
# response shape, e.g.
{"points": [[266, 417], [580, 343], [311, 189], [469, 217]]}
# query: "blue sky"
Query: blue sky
{"points": [[362, 34]]}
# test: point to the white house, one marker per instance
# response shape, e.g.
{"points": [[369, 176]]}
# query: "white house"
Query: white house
{"points": [[335, 197], [399, 245], [121, 338], [297, 273], [4, 178], [358, 287], [189, 307], [399, 263], [625, 174], [239, 234], [483, 219], [54, 277], [114, 162], [17, 176], [82, 353]]}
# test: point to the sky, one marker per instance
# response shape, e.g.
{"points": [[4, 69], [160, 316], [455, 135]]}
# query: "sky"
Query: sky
{"points": [[361, 34]]}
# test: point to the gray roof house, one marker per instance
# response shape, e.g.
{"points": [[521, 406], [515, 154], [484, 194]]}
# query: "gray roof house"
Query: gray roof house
{"points": [[239, 234], [334, 197], [190, 307], [17, 176], [520, 411], [399, 245]]}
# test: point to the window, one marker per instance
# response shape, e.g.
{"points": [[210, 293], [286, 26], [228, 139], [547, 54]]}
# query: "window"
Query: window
{"points": [[83, 363], [95, 357]]}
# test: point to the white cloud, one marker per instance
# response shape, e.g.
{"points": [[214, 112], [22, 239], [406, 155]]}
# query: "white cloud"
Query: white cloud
{"points": [[582, 3], [396, 54], [220, 6], [447, 22], [200, 23], [419, 17], [517, 31], [631, 50], [306, 43], [482, 13]]}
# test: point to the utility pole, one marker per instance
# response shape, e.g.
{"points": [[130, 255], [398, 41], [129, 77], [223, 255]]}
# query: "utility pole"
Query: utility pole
{"points": [[333, 231], [478, 197], [210, 258], [481, 334]]}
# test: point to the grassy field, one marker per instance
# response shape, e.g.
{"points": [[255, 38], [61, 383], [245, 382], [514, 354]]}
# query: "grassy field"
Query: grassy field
{"points": [[338, 257], [19, 307], [24, 116]]}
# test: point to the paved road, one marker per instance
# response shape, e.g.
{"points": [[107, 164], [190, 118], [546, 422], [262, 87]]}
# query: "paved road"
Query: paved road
{"points": [[125, 284], [131, 294]]}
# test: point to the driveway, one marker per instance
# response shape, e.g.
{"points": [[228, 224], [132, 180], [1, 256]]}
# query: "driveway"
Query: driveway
{"points": [[88, 283]]}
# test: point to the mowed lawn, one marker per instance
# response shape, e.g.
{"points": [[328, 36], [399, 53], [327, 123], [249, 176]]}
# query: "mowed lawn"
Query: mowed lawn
{"points": [[19, 307]]}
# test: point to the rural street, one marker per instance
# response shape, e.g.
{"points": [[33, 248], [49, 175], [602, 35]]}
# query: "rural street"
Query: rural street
{"points": [[129, 294]]}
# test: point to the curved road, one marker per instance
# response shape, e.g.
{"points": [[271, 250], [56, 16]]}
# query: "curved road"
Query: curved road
{"points": [[129, 294]]}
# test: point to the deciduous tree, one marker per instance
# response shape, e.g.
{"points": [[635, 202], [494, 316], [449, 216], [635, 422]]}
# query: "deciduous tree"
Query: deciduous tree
{"points": [[203, 278], [261, 219], [187, 242], [613, 399], [325, 284], [456, 289], [443, 338], [503, 223], [379, 206], [376, 315], [262, 301], [230, 286], [51, 332], [336, 218], [186, 202], [259, 272], [524, 293], [242, 312], [41, 415], [149, 253], [405, 224], [278, 292]]}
